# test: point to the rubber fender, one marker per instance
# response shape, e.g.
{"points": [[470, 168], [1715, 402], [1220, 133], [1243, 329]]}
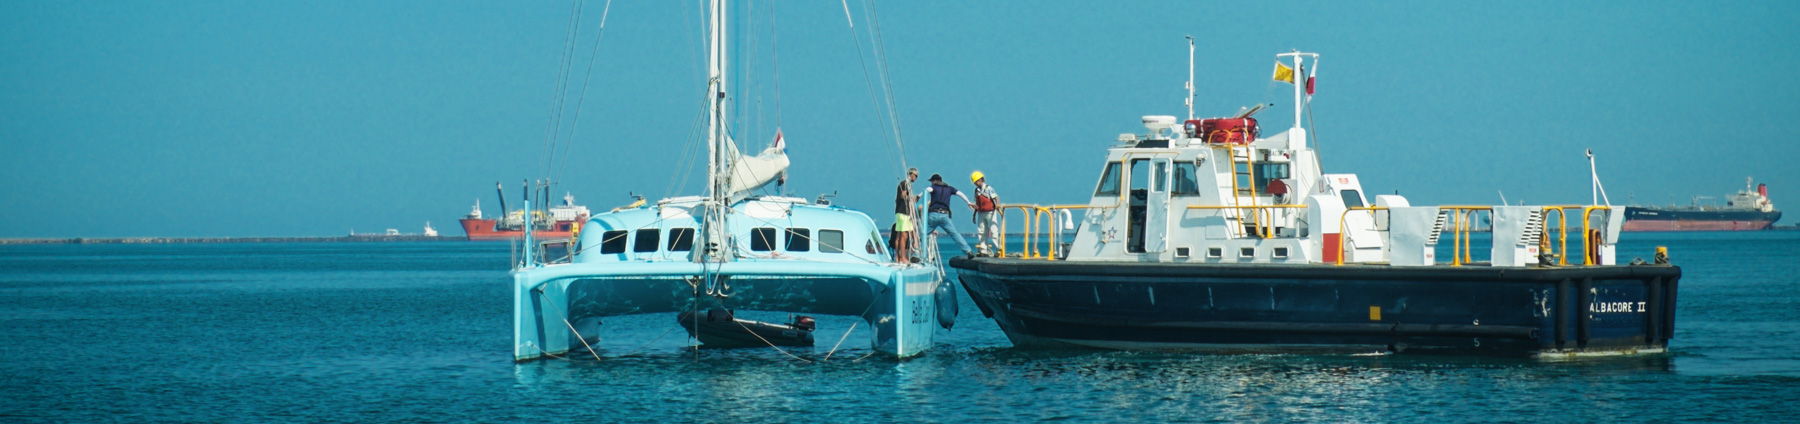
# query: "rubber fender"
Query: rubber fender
{"points": [[946, 304]]}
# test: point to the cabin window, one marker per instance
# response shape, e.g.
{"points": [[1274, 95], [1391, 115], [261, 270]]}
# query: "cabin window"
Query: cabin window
{"points": [[647, 240], [1185, 185], [612, 241], [831, 241], [681, 239], [1281, 253], [1352, 198], [1159, 176], [1109, 181], [799, 240], [1266, 172], [1181, 252], [762, 239], [1140, 175], [1215, 252], [872, 247], [1247, 252]]}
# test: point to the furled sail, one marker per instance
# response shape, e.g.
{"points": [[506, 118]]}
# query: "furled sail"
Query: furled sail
{"points": [[749, 173]]}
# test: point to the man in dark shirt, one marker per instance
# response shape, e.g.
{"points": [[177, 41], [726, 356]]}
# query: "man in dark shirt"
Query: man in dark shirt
{"points": [[938, 211]]}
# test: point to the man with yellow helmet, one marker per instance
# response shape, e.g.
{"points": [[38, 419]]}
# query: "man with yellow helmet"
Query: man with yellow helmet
{"points": [[987, 219]]}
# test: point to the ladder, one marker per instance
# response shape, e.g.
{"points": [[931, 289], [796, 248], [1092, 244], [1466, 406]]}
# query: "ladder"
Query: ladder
{"points": [[1437, 227], [1243, 168], [1534, 229]]}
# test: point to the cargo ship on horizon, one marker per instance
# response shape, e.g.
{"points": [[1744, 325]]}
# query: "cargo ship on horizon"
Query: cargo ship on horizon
{"points": [[1748, 210], [559, 223]]}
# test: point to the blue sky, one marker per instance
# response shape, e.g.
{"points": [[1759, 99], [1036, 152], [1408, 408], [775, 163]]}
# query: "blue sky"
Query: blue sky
{"points": [[251, 118]]}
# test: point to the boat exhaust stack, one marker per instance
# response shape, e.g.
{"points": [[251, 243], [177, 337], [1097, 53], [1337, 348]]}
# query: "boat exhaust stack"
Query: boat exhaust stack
{"points": [[502, 193]]}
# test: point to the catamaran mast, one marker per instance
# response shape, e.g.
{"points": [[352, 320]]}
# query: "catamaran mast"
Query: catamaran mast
{"points": [[713, 230]]}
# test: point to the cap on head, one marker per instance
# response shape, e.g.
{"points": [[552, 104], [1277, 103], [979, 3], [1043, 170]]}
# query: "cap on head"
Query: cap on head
{"points": [[936, 177], [976, 177]]}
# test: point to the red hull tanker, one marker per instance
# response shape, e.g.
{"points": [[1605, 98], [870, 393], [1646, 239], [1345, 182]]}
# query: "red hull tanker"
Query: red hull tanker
{"points": [[559, 223], [483, 230]]}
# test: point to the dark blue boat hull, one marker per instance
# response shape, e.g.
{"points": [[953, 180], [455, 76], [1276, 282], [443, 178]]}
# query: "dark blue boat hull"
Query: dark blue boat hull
{"points": [[1318, 308]]}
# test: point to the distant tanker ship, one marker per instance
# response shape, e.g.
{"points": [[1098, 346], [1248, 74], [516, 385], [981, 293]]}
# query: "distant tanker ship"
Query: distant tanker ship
{"points": [[1748, 210], [560, 222]]}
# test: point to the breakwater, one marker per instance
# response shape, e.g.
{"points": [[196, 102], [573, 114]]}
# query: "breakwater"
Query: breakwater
{"points": [[179, 240]]}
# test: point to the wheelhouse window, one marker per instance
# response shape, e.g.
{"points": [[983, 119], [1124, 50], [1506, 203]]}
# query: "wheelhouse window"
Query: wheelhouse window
{"points": [[647, 240], [1109, 181], [681, 239], [1185, 183], [762, 239], [1352, 198], [1140, 175], [1266, 172], [831, 241], [799, 240], [612, 241], [1159, 181]]}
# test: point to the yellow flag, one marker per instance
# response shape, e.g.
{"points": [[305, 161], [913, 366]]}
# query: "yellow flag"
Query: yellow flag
{"points": [[1284, 73]]}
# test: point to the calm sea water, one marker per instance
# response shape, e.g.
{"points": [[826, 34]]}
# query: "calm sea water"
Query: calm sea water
{"points": [[421, 332]]}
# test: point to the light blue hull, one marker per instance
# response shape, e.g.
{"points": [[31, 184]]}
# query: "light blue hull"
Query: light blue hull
{"points": [[557, 306]]}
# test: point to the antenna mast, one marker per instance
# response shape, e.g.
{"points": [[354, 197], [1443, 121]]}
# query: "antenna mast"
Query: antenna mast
{"points": [[1190, 81]]}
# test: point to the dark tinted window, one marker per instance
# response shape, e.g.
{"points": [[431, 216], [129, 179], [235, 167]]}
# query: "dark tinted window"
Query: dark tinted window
{"points": [[612, 241], [1109, 181], [831, 241], [799, 239], [1184, 179], [762, 239], [1352, 198], [1269, 171], [681, 239], [1140, 174], [647, 240]]}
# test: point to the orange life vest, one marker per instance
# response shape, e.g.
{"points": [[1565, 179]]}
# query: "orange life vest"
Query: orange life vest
{"points": [[984, 203]]}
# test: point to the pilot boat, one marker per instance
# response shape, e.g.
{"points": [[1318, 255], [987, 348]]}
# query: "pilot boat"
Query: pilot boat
{"points": [[728, 251], [1207, 235]]}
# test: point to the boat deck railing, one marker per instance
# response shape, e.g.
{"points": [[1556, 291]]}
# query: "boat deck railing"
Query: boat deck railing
{"points": [[1462, 219], [1042, 229]]}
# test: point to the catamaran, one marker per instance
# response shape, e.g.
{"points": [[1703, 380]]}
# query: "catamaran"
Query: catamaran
{"points": [[704, 258]]}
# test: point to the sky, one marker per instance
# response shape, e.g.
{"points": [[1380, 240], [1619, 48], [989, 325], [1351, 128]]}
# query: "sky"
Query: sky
{"points": [[266, 118]]}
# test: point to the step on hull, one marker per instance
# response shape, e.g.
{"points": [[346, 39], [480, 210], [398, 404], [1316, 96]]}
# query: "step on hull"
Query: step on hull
{"points": [[1324, 309]]}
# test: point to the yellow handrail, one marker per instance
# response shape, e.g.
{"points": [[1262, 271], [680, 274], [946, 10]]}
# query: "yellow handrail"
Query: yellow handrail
{"points": [[1341, 232], [1589, 247], [1035, 220], [1461, 245]]}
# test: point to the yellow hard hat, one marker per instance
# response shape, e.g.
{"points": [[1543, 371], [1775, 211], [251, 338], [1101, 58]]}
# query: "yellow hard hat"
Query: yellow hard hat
{"points": [[976, 177]]}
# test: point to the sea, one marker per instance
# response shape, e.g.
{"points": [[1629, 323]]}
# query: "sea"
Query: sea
{"points": [[421, 332]]}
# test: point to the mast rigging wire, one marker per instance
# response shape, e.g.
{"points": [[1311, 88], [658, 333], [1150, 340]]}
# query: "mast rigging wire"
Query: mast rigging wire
{"points": [[562, 85], [887, 80], [866, 80], [575, 123]]}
